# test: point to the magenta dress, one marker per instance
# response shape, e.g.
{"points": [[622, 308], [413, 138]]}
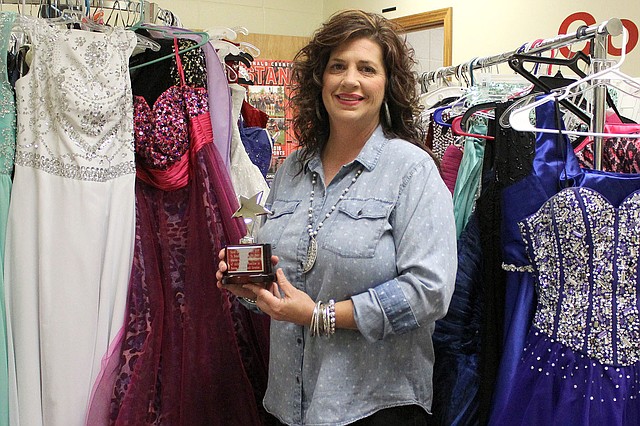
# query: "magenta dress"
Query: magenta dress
{"points": [[190, 355]]}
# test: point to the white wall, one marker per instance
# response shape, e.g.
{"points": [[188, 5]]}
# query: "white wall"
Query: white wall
{"points": [[492, 27], [479, 28], [281, 17]]}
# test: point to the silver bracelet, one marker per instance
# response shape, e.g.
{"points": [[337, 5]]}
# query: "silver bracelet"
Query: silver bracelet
{"points": [[326, 326], [323, 319], [249, 301], [315, 320]]}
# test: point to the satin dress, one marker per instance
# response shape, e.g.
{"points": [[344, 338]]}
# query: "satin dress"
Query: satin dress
{"points": [[572, 324]]}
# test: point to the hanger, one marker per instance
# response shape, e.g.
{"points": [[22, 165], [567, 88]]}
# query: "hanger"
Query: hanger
{"points": [[241, 57], [443, 91], [249, 48], [241, 30], [203, 40], [222, 33], [457, 130], [429, 99], [437, 115], [519, 118], [232, 74], [474, 109], [516, 63]]}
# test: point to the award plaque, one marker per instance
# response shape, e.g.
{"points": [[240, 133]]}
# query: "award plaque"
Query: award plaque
{"points": [[248, 262]]}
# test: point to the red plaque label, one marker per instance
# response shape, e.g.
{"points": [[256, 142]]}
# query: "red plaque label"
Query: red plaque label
{"points": [[245, 259]]}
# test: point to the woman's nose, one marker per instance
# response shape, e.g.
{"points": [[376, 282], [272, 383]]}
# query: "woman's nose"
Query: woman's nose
{"points": [[350, 77]]}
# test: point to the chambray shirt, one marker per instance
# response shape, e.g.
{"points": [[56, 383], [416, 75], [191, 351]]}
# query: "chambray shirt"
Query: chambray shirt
{"points": [[390, 246]]}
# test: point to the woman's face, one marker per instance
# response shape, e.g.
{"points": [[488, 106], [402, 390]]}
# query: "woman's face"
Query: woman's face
{"points": [[353, 84]]}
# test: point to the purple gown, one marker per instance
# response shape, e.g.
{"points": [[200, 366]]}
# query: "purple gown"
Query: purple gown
{"points": [[572, 325]]}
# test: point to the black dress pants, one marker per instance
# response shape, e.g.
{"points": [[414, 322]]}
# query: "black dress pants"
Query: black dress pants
{"points": [[405, 415]]}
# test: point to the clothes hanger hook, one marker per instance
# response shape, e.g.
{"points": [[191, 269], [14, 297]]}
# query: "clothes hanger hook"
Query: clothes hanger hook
{"points": [[471, 65], [253, 50]]}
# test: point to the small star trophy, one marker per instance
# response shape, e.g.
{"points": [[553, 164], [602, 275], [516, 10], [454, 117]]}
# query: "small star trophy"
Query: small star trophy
{"points": [[249, 262]]}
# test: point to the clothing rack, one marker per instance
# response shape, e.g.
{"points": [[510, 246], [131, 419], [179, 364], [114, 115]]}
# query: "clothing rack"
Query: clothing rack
{"points": [[598, 33], [148, 9]]}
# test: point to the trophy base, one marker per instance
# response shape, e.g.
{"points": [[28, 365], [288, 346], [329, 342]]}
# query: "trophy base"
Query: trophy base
{"points": [[239, 279]]}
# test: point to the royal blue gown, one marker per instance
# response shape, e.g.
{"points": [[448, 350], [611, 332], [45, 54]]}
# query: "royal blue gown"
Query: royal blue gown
{"points": [[571, 322]]}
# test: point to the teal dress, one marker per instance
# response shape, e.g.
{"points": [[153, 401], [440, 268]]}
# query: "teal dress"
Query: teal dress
{"points": [[468, 181], [7, 152]]}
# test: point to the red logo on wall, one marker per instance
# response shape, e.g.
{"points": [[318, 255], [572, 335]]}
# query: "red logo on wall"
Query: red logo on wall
{"points": [[585, 18]]}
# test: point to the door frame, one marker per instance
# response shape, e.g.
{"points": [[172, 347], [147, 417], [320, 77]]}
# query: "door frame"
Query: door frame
{"points": [[428, 20]]}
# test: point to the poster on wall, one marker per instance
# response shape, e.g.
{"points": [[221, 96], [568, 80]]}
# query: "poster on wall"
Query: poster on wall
{"points": [[270, 93]]}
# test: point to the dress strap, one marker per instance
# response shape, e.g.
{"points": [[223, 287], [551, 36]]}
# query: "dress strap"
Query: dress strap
{"points": [[176, 49]]}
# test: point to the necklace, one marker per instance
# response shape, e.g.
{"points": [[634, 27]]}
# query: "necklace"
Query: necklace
{"points": [[312, 251]]}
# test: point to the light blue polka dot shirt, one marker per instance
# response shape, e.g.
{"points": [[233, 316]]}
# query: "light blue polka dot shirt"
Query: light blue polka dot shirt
{"points": [[390, 246]]}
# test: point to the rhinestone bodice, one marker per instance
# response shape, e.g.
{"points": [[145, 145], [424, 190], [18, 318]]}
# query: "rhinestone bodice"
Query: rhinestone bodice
{"points": [[75, 109], [162, 132], [584, 252]]}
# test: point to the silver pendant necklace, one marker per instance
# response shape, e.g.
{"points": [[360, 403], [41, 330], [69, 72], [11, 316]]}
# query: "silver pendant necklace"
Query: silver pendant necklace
{"points": [[312, 250]]}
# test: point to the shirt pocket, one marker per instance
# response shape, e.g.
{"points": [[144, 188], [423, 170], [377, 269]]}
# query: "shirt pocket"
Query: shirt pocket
{"points": [[272, 229], [357, 227]]}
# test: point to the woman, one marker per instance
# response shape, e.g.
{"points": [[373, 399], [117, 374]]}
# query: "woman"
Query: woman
{"points": [[362, 229]]}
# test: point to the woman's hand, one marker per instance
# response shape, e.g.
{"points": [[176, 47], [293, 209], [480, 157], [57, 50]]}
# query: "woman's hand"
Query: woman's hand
{"points": [[282, 301]]}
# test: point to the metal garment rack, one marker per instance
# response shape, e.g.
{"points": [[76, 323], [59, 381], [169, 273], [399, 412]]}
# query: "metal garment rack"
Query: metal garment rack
{"points": [[598, 33], [148, 9]]}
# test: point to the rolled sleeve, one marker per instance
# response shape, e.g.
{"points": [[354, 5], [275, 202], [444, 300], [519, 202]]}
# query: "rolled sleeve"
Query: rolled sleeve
{"points": [[423, 228]]}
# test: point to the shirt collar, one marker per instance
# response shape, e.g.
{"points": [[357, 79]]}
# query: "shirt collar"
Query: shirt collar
{"points": [[368, 156]]}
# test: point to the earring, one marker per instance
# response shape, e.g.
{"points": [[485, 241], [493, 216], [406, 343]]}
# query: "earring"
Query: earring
{"points": [[318, 111], [387, 115]]}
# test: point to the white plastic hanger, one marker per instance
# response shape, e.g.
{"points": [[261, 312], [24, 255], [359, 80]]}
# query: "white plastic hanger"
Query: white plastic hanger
{"points": [[519, 118], [224, 48], [443, 89], [218, 33]]}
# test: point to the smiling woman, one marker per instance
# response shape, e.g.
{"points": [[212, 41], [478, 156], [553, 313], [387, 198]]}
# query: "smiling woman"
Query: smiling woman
{"points": [[353, 89], [363, 235]]}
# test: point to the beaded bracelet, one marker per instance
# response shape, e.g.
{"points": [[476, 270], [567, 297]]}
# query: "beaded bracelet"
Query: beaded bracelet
{"points": [[332, 317]]}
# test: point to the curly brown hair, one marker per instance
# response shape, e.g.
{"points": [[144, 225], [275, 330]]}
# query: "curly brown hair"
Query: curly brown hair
{"points": [[311, 123]]}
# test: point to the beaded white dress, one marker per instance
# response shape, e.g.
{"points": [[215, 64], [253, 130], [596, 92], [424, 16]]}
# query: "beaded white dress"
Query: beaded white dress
{"points": [[71, 220], [246, 177]]}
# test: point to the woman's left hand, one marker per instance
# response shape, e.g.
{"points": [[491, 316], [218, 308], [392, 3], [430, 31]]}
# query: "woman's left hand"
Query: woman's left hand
{"points": [[283, 302]]}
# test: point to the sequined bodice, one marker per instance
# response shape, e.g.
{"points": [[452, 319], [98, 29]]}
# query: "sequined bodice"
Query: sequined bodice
{"points": [[7, 100], [584, 252], [161, 132], [75, 115]]}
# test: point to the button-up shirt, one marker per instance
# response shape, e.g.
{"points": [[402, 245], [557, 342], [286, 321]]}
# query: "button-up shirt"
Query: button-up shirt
{"points": [[389, 246]]}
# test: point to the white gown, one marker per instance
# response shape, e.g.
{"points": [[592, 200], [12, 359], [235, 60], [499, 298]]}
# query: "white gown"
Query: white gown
{"points": [[71, 220], [246, 177]]}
